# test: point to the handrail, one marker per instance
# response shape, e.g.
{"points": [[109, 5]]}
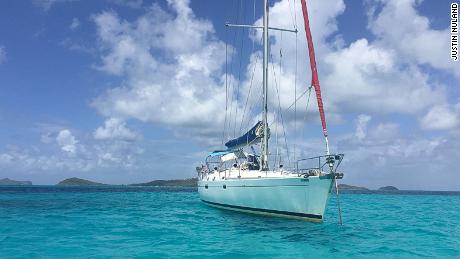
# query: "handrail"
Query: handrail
{"points": [[333, 161], [330, 160]]}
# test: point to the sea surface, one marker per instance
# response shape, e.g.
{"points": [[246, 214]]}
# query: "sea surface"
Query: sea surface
{"points": [[149, 222]]}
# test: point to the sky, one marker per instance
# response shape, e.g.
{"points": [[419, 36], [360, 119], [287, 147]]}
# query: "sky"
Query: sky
{"points": [[130, 91]]}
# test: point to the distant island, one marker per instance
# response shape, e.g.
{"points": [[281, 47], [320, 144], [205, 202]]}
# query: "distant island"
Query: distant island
{"points": [[6, 181], [192, 182], [352, 188], [74, 181], [78, 182], [346, 187], [388, 188]]}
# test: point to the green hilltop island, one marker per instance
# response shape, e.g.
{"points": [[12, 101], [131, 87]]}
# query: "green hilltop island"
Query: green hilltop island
{"points": [[74, 181], [192, 182], [352, 188], [6, 181], [347, 187], [388, 188], [186, 183]]}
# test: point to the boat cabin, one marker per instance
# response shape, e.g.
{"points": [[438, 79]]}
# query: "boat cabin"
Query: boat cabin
{"points": [[223, 160]]}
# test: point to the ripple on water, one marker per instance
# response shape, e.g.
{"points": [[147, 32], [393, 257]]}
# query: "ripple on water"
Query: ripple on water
{"points": [[169, 223]]}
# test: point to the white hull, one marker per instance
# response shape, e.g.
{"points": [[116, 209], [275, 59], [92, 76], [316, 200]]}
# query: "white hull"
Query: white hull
{"points": [[274, 193]]}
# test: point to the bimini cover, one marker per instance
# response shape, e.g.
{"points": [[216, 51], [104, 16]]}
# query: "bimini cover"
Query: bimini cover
{"points": [[228, 157], [233, 155], [253, 136], [219, 153]]}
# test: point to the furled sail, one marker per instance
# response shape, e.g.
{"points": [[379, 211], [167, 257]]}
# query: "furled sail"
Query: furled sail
{"points": [[253, 136], [314, 72]]}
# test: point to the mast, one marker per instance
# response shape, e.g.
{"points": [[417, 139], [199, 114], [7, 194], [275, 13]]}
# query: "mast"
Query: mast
{"points": [[264, 153], [264, 159], [314, 72]]}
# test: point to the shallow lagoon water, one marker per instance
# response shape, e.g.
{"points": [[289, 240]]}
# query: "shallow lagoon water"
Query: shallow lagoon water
{"points": [[173, 222]]}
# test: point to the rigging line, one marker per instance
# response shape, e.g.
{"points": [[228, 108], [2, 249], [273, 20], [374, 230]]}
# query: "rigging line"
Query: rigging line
{"points": [[226, 78], [280, 112], [253, 71], [259, 90], [239, 69], [229, 82], [226, 84], [295, 16], [279, 102], [254, 19], [238, 86], [231, 71], [279, 82], [290, 12], [306, 109], [298, 98], [252, 106], [249, 92], [295, 97], [295, 85], [276, 138], [250, 86]]}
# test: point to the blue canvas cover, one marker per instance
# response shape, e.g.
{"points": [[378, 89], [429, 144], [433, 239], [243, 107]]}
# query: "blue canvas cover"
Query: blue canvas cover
{"points": [[253, 136], [219, 153]]}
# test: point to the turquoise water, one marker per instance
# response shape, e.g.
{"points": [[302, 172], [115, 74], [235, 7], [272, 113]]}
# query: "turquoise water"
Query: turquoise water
{"points": [[153, 222]]}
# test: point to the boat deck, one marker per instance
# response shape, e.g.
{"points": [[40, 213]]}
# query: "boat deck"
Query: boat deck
{"points": [[236, 173]]}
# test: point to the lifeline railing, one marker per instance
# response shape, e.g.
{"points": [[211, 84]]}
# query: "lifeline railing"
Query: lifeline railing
{"points": [[332, 161]]}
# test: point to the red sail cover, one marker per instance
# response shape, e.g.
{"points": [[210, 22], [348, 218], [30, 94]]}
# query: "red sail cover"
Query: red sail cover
{"points": [[314, 72]]}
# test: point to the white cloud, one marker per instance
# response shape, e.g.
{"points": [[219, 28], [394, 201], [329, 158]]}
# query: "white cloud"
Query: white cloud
{"points": [[115, 128], [129, 3], [46, 138], [170, 63], [375, 77], [75, 24], [181, 85], [442, 117], [6, 159], [386, 157], [2, 54], [82, 47], [75, 156], [399, 26], [385, 131], [364, 76], [47, 4], [67, 141], [169, 81], [118, 162], [361, 126], [323, 24]]}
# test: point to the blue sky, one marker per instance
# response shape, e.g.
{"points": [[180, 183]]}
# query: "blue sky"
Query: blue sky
{"points": [[129, 91]]}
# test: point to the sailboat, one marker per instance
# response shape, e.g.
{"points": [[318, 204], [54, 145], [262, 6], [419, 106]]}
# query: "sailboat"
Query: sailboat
{"points": [[239, 179]]}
